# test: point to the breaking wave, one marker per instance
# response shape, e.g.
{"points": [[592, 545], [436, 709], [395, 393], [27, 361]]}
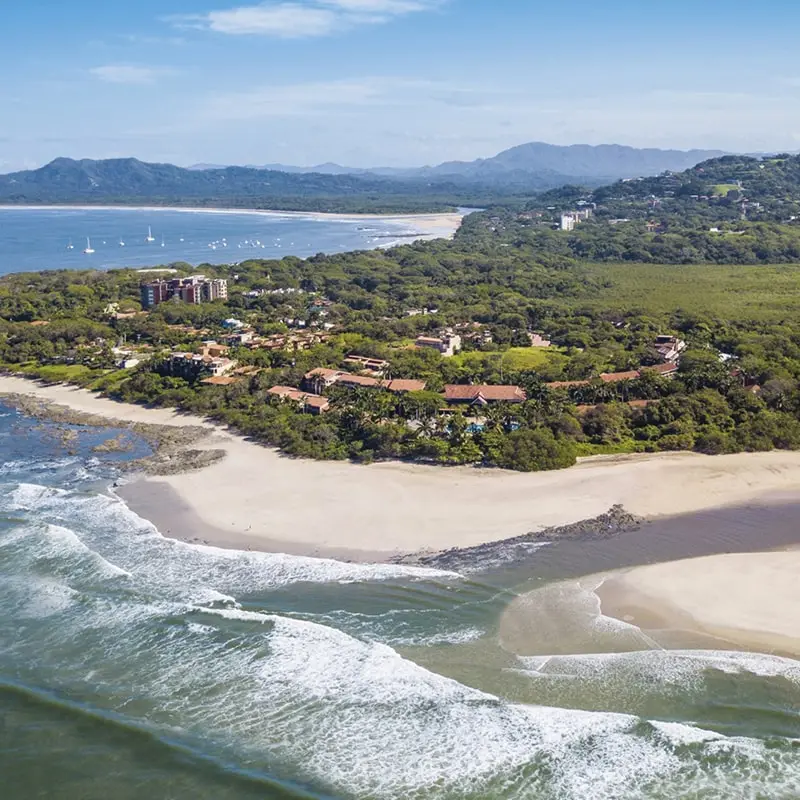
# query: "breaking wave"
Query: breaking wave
{"points": [[200, 646]]}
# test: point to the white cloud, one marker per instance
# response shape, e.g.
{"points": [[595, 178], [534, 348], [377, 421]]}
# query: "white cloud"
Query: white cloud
{"points": [[127, 73], [302, 99], [295, 20]]}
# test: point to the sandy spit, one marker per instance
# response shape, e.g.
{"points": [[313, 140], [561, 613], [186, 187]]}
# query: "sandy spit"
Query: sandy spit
{"points": [[429, 226], [746, 599], [397, 508]]}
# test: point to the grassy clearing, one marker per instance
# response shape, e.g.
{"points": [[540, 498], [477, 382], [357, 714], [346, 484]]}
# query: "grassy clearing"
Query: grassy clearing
{"points": [[768, 293], [515, 358], [722, 189], [110, 381]]}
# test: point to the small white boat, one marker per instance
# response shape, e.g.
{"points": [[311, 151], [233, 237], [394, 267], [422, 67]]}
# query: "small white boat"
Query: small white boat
{"points": [[70, 246], [88, 251], [150, 237], [121, 243], [162, 241]]}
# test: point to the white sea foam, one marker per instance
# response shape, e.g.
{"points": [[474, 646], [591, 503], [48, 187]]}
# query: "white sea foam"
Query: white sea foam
{"points": [[108, 526], [345, 714], [39, 598], [682, 669]]}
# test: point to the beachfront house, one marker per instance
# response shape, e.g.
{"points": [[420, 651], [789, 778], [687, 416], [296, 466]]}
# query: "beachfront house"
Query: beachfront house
{"points": [[309, 403]]}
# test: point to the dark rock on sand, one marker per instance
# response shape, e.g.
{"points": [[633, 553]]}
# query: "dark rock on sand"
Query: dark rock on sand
{"points": [[493, 554]]}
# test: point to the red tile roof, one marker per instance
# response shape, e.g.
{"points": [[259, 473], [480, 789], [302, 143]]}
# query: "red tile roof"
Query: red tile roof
{"points": [[357, 380], [322, 372], [220, 380], [309, 400], [662, 369], [615, 377], [459, 392], [406, 386]]}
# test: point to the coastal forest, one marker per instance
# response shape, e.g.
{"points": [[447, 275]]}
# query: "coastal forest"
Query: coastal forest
{"points": [[708, 256]]}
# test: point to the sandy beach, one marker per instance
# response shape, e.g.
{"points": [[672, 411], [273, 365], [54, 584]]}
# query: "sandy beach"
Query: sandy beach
{"points": [[428, 226], [257, 498], [744, 599]]}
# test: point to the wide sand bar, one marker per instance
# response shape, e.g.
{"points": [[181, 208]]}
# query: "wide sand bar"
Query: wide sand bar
{"points": [[747, 599]]}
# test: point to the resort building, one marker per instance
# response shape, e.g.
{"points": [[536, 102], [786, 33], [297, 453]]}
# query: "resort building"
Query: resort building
{"points": [[366, 364], [311, 403], [448, 343], [193, 289], [358, 381], [192, 365], [401, 386], [321, 379], [483, 394]]}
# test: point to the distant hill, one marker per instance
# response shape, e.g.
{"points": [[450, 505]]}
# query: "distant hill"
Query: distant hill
{"points": [[549, 163], [521, 171], [759, 188], [605, 161], [128, 180]]}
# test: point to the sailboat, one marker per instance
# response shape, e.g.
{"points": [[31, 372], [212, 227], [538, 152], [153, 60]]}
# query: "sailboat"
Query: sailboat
{"points": [[70, 246], [121, 243], [88, 251], [150, 237], [162, 239]]}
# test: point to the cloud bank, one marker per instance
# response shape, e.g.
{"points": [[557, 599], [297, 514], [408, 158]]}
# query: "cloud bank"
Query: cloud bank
{"points": [[296, 20]]}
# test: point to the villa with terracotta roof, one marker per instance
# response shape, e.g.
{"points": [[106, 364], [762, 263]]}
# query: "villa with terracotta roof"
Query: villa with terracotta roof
{"points": [[666, 370], [483, 394], [376, 365], [357, 381], [313, 403], [616, 377], [401, 386], [320, 379]]}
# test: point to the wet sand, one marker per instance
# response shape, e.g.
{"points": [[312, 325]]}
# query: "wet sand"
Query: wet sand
{"points": [[174, 518], [749, 600]]}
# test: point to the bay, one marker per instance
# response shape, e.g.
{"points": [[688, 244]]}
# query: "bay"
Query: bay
{"points": [[33, 239]]}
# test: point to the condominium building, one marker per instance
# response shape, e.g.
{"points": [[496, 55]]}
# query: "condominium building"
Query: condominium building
{"points": [[193, 289]]}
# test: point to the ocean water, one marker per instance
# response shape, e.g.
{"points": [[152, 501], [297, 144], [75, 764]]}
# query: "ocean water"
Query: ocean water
{"points": [[34, 239], [132, 665]]}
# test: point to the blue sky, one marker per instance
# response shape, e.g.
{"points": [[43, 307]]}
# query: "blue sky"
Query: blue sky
{"points": [[390, 82]]}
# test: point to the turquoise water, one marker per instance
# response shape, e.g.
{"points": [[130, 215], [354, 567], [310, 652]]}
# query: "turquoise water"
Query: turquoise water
{"points": [[132, 666], [38, 238]]}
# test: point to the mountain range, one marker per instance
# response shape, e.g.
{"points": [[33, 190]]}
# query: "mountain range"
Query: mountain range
{"points": [[598, 163], [524, 170]]}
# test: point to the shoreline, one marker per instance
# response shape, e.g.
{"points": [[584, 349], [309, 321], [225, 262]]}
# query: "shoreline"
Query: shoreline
{"points": [[743, 600], [445, 222], [263, 500]]}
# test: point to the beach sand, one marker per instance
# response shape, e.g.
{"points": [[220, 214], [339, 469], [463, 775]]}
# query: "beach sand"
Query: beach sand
{"points": [[749, 600], [257, 498], [428, 226]]}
